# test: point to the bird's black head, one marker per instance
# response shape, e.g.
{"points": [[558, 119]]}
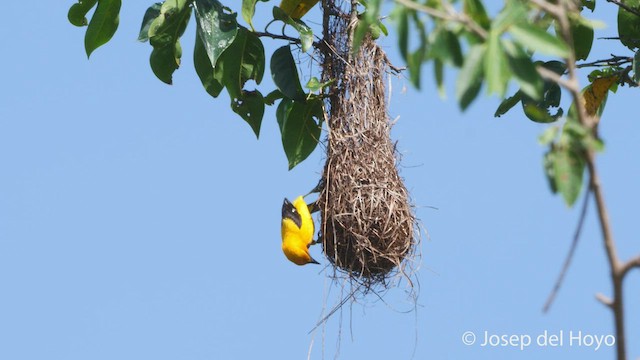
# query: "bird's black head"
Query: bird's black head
{"points": [[290, 212]]}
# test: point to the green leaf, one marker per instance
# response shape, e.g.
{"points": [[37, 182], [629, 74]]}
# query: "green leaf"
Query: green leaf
{"points": [[383, 28], [164, 34], [496, 66], [165, 60], [507, 104], [470, 77], [217, 29], [557, 67], [589, 4], [547, 137], [103, 25], [212, 79], [417, 57], [370, 16], [568, 169], [523, 70], [375, 31], [549, 169], [535, 113], [579, 138], [514, 12], [300, 125], [470, 95], [250, 106], [414, 63], [285, 74], [242, 61], [536, 110], [402, 21], [315, 85], [582, 39], [636, 67], [438, 72], [476, 11], [446, 47], [248, 10], [629, 25], [306, 34], [150, 15], [78, 12], [537, 39], [271, 97]]}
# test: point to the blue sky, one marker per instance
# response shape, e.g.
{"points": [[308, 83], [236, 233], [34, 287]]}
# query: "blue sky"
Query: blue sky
{"points": [[141, 221]]}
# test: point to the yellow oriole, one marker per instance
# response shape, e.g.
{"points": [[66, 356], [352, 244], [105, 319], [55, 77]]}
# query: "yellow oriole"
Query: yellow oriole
{"points": [[297, 231], [297, 8]]}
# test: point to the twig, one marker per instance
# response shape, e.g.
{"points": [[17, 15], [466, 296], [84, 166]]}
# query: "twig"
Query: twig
{"points": [[630, 264], [554, 10], [277, 36], [606, 301], [572, 250], [613, 61], [624, 6], [448, 16], [551, 75]]}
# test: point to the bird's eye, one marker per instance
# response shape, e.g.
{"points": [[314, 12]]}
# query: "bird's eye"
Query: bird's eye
{"points": [[294, 210]]}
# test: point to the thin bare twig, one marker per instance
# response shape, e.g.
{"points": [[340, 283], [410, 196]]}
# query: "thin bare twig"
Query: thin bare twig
{"points": [[624, 6], [604, 299], [277, 36], [552, 9], [572, 250], [613, 61]]}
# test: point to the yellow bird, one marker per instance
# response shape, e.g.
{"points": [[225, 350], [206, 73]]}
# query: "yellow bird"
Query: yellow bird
{"points": [[297, 231], [297, 8]]}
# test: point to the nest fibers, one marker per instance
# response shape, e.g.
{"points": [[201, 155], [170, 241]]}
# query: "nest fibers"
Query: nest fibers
{"points": [[368, 227]]}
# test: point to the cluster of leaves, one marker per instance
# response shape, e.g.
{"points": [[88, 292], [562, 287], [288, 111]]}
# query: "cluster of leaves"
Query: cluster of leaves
{"points": [[489, 52], [493, 51], [564, 161], [227, 56]]}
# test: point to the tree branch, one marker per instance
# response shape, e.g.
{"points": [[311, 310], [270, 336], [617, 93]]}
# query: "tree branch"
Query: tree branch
{"points": [[624, 6], [617, 270], [561, 13], [551, 75]]}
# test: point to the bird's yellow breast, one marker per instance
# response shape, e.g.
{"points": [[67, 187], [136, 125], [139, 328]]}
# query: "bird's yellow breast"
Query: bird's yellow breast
{"points": [[294, 246], [296, 240]]}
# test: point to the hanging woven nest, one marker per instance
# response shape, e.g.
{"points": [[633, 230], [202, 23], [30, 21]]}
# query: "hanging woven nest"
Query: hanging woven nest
{"points": [[368, 228]]}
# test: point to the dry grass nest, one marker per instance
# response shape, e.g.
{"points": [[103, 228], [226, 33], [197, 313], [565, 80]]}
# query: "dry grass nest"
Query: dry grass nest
{"points": [[368, 228]]}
